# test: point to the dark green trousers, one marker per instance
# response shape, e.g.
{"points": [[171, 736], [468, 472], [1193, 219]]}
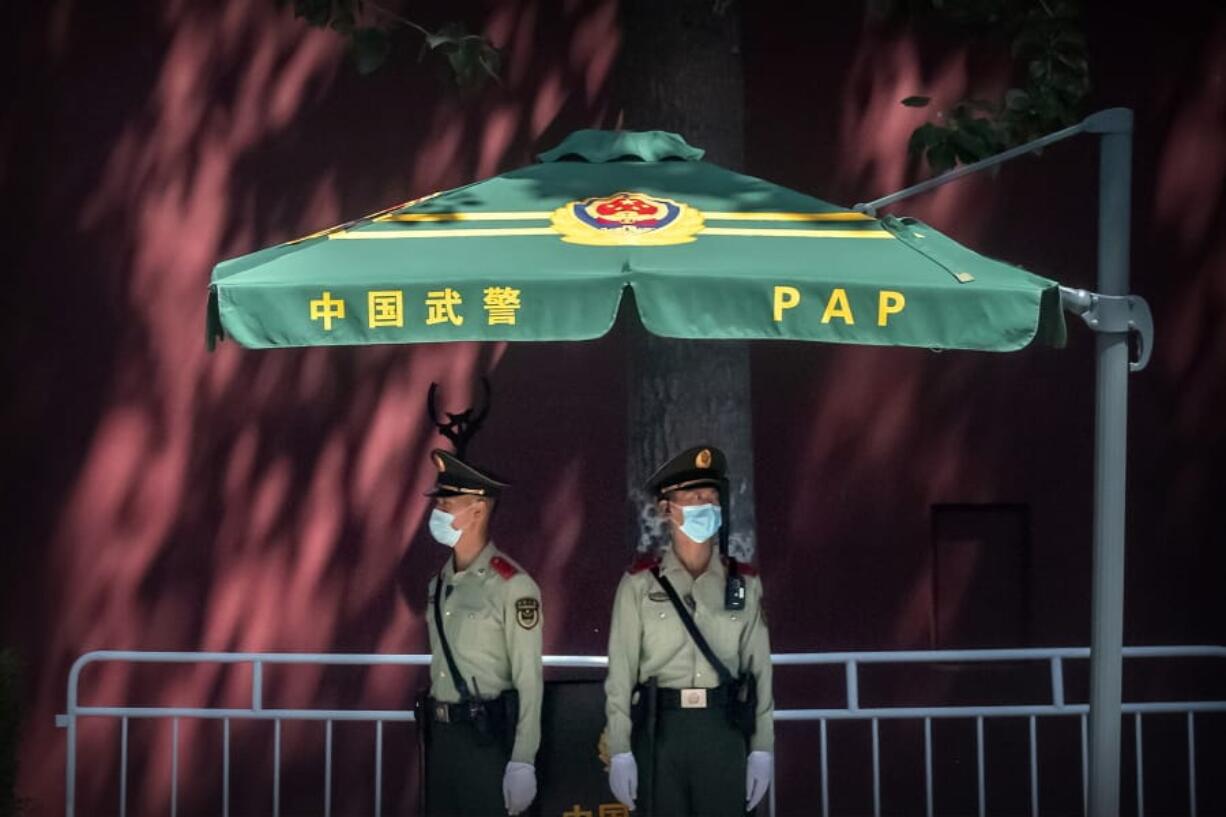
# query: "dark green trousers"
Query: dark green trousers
{"points": [[464, 772], [699, 768]]}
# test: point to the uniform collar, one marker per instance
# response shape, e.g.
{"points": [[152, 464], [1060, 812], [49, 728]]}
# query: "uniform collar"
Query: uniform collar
{"points": [[670, 563], [479, 566]]}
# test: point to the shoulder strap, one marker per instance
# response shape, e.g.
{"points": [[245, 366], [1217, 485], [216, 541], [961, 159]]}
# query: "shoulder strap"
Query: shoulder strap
{"points": [[725, 677], [460, 684]]}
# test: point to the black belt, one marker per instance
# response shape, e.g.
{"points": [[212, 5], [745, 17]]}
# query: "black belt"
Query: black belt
{"points": [[694, 698], [463, 712]]}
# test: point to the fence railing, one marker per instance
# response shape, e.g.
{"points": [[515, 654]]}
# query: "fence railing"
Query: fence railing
{"points": [[851, 662]]}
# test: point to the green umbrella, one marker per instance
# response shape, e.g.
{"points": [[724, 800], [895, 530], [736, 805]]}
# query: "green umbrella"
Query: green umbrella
{"points": [[545, 253]]}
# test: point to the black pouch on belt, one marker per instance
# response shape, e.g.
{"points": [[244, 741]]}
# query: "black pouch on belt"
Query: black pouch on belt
{"points": [[743, 704]]}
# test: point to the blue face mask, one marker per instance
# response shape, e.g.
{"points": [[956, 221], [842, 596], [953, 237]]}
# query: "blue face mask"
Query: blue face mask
{"points": [[700, 522], [441, 529]]}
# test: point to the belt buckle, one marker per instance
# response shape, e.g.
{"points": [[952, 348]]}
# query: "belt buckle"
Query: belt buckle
{"points": [[442, 713], [693, 699]]}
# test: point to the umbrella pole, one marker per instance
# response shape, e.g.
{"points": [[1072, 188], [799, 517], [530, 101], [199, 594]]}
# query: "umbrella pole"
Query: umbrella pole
{"points": [[1110, 464]]}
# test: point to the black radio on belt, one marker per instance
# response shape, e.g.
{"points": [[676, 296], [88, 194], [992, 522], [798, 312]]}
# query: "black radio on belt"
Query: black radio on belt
{"points": [[476, 706]]}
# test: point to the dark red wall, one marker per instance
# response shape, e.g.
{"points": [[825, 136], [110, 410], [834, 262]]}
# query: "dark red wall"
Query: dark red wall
{"points": [[161, 497]]}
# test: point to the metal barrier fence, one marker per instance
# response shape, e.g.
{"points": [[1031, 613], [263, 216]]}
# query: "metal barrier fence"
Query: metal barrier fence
{"points": [[850, 661]]}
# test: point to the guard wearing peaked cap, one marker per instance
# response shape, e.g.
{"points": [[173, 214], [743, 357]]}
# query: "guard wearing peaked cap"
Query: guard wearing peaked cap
{"points": [[482, 716], [457, 478], [692, 468], [689, 709]]}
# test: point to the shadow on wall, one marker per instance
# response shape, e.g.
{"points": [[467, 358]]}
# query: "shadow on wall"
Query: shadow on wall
{"points": [[164, 498]]}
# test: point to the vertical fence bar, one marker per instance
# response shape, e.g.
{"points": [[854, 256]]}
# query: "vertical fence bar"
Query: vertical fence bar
{"points": [[1191, 766], [174, 767], [257, 686], [1140, 770], [928, 767], [1057, 681], [225, 768], [978, 766], [70, 761], [853, 686], [378, 768], [876, 771], [123, 768], [1034, 771], [1085, 769], [983, 792], [328, 769], [825, 774], [276, 768]]}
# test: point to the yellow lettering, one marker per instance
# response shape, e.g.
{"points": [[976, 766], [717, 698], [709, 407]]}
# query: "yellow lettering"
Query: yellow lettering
{"points": [[838, 307], [385, 307], [442, 304], [889, 303], [785, 298], [327, 309]]}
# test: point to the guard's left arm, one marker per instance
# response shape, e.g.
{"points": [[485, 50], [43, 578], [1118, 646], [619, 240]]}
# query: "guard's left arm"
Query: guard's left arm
{"points": [[756, 654], [523, 620]]}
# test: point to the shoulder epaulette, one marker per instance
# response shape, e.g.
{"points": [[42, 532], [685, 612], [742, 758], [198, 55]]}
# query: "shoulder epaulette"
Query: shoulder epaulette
{"points": [[503, 568], [644, 562]]}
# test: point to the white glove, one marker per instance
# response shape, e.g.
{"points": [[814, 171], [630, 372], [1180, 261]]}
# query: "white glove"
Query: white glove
{"points": [[758, 770], [518, 786], [624, 778]]}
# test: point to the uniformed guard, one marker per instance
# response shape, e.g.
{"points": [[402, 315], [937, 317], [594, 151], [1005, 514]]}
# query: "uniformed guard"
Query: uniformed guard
{"points": [[482, 718], [688, 696]]}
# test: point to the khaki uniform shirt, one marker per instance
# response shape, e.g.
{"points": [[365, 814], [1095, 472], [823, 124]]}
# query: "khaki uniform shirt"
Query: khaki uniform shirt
{"points": [[647, 639], [493, 625]]}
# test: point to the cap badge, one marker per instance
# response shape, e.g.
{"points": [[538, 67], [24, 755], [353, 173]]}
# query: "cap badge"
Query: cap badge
{"points": [[703, 460]]}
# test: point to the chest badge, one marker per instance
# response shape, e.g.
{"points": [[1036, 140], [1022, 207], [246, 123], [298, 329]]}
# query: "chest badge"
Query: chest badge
{"points": [[527, 612]]}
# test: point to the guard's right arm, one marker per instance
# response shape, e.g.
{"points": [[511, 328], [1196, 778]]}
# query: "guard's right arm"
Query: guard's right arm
{"points": [[625, 638]]}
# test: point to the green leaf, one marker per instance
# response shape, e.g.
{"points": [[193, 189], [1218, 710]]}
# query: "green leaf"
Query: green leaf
{"points": [[1076, 64], [491, 61], [1039, 69], [450, 34], [917, 101], [370, 48], [924, 137], [1069, 38], [988, 132], [1028, 41], [970, 147], [1016, 99], [941, 158]]}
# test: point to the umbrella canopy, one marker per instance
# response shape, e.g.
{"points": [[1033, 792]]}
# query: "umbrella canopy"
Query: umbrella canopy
{"points": [[545, 252]]}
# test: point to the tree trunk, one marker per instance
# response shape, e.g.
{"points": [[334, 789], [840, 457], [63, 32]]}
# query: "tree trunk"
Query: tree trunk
{"points": [[680, 70]]}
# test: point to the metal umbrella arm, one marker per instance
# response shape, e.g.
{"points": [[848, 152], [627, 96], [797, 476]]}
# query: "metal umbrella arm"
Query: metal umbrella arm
{"points": [[1112, 120], [1114, 313]]}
